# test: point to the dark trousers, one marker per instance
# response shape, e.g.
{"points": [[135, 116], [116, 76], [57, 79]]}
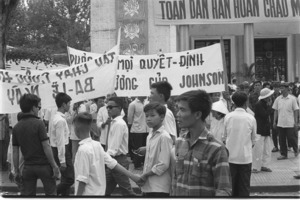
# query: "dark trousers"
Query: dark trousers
{"points": [[275, 134], [67, 176], [113, 178], [137, 140], [156, 194], [287, 134], [240, 175], [30, 175]]}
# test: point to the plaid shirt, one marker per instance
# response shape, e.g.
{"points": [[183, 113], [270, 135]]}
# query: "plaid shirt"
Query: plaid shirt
{"points": [[201, 168]]}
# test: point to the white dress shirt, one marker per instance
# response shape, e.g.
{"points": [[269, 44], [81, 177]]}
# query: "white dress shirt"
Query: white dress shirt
{"points": [[157, 160], [89, 166], [136, 117], [170, 123], [118, 137], [102, 116], [59, 135], [240, 135], [49, 114], [285, 107]]}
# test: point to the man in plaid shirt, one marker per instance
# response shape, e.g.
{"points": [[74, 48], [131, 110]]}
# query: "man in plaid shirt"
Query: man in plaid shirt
{"points": [[202, 167]]}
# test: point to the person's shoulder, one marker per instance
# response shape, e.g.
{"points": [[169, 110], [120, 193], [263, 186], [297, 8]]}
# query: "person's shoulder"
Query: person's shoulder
{"points": [[164, 133]]}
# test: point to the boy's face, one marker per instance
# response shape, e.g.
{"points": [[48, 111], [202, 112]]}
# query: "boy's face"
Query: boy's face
{"points": [[185, 117], [67, 106], [154, 96], [153, 119]]}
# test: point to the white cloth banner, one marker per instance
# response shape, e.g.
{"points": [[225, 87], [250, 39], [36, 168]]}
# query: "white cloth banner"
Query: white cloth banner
{"points": [[184, 12], [189, 70], [77, 56], [84, 81]]}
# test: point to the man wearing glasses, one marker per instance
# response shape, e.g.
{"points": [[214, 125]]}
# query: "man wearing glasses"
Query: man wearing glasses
{"points": [[117, 148], [30, 135]]}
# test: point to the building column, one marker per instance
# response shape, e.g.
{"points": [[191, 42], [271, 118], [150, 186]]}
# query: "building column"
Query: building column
{"points": [[184, 38], [249, 56]]}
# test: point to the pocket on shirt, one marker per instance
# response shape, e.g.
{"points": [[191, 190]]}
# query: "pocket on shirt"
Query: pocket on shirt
{"points": [[199, 169]]}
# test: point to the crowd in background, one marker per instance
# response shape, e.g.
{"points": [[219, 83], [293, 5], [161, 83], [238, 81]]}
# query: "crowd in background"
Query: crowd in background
{"points": [[239, 128]]}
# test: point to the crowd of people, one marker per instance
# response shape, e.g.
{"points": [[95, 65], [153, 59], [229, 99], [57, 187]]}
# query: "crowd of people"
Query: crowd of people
{"points": [[210, 149]]}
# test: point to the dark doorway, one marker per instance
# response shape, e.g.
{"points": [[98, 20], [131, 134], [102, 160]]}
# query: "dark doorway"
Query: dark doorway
{"points": [[270, 57]]}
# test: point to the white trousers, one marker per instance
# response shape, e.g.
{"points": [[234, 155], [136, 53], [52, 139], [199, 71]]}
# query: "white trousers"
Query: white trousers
{"points": [[261, 155]]}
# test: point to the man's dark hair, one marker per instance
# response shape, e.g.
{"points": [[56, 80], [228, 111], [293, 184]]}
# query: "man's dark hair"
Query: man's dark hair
{"points": [[62, 98], [164, 88], [118, 100], [267, 84], [27, 102], [198, 100], [84, 117], [239, 98], [159, 108], [256, 82]]}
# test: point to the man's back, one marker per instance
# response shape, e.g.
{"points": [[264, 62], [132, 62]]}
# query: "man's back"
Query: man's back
{"points": [[29, 133], [240, 130]]}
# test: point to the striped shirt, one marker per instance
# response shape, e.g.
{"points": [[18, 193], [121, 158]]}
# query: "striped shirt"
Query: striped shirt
{"points": [[201, 168]]}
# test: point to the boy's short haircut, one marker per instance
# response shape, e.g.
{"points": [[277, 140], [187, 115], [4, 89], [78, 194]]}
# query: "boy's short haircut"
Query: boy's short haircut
{"points": [[62, 98], [27, 102], [159, 108], [118, 101], [164, 88], [267, 84], [256, 82], [198, 100], [84, 117], [239, 98]]}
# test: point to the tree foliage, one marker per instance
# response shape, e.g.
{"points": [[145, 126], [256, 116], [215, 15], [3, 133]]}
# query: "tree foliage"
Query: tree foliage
{"points": [[46, 27]]}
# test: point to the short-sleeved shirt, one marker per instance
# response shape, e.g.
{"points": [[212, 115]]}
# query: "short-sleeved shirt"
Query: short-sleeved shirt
{"points": [[89, 167], [29, 133], [157, 160], [285, 107], [201, 168]]}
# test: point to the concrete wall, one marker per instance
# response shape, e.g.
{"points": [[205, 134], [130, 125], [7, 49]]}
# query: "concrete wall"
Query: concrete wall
{"points": [[104, 34], [103, 25]]}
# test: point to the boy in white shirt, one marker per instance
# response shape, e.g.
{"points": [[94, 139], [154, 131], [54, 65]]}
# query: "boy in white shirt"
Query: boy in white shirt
{"points": [[91, 159], [156, 177]]}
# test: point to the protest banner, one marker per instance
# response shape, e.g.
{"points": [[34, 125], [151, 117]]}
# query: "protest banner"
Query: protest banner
{"points": [[84, 81], [182, 12], [48, 76], [27, 65], [188, 70], [77, 56]]}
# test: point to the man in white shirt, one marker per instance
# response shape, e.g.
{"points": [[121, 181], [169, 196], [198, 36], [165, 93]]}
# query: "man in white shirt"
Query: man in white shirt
{"points": [[138, 129], [117, 148], [103, 120], [286, 120], [91, 159], [60, 142], [240, 137]]}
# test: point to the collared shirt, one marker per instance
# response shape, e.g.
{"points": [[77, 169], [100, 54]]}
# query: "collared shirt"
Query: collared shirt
{"points": [[89, 166], [136, 117], [202, 167], [59, 135], [240, 135], [102, 116], [29, 134], [170, 123], [157, 160], [118, 137], [285, 107]]}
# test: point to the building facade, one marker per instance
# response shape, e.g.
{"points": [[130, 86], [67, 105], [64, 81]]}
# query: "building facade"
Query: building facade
{"points": [[276, 45]]}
